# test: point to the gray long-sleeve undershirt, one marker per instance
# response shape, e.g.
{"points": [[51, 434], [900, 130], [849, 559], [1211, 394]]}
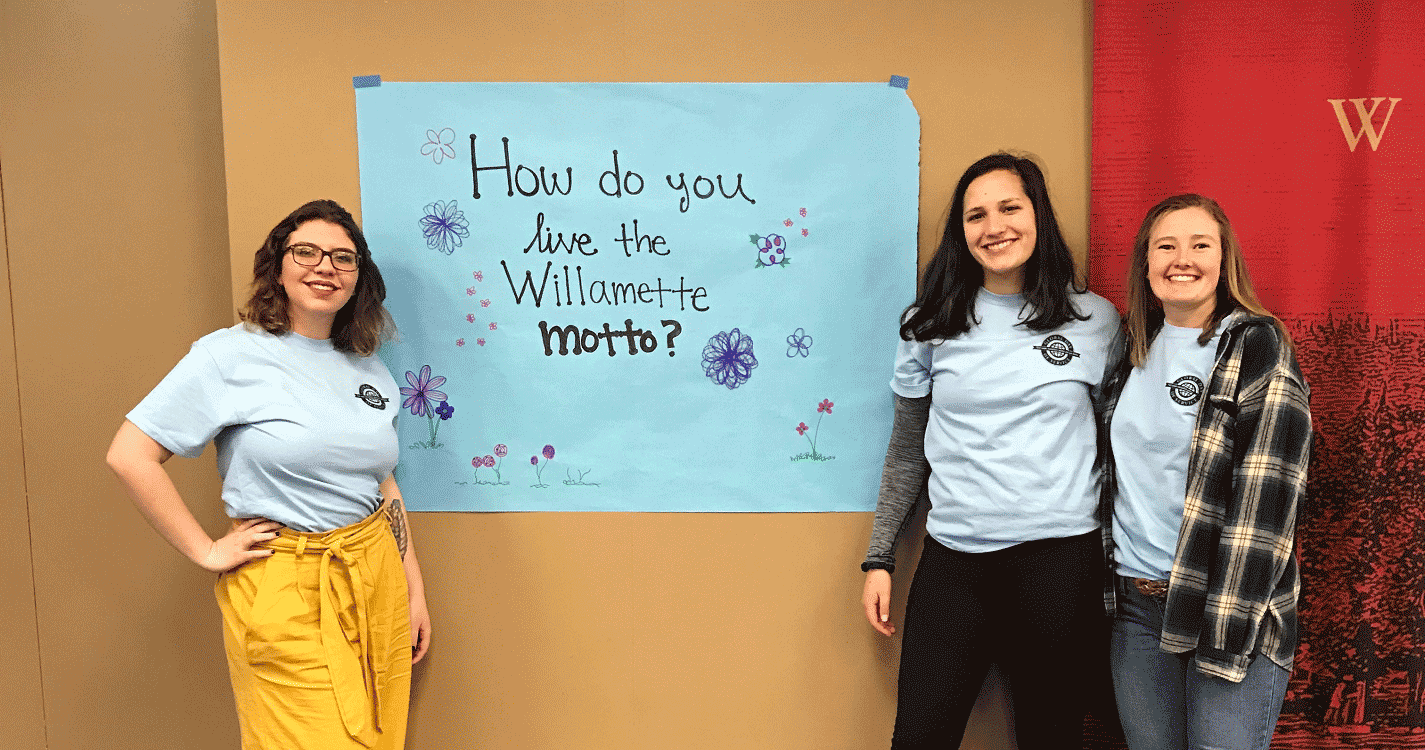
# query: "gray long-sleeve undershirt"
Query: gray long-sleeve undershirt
{"points": [[903, 479]]}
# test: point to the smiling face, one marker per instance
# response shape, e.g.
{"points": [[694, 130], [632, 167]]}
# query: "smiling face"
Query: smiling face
{"points": [[316, 293], [999, 229], [1184, 263]]}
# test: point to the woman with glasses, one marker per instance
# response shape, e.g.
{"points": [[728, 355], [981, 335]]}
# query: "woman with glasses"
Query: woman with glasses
{"points": [[1209, 422], [321, 595], [993, 374]]}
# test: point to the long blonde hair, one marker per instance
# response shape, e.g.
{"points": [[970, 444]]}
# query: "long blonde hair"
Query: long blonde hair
{"points": [[1234, 286]]}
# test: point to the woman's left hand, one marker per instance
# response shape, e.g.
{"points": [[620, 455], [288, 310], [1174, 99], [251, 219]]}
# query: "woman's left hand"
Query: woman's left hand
{"points": [[420, 628]]}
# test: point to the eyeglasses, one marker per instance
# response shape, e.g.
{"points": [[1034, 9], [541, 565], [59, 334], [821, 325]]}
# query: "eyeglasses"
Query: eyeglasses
{"points": [[311, 255]]}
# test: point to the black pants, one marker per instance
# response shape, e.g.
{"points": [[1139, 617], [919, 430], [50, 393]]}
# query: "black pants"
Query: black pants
{"points": [[1036, 609]]}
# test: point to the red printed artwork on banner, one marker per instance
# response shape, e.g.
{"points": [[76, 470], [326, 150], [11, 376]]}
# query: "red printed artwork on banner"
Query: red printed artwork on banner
{"points": [[1306, 122]]}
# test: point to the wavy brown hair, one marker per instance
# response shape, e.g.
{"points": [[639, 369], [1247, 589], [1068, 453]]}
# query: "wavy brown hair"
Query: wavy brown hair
{"points": [[1234, 286], [361, 325]]}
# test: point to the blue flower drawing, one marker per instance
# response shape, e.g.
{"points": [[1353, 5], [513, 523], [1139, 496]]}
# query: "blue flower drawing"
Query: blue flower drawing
{"points": [[799, 343], [444, 226], [728, 358]]}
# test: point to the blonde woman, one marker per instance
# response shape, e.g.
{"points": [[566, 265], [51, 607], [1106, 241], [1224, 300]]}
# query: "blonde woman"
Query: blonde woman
{"points": [[1208, 418]]}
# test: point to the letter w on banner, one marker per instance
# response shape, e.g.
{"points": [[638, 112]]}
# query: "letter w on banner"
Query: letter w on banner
{"points": [[1262, 106]]}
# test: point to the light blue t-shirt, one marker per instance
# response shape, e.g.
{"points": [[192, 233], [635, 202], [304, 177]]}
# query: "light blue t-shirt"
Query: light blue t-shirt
{"points": [[1151, 434], [304, 433], [1011, 436]]}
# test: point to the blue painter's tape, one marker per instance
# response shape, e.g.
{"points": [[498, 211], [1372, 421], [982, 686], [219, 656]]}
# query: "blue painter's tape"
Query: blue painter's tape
{"points": [[366, 82], [900, 82]]}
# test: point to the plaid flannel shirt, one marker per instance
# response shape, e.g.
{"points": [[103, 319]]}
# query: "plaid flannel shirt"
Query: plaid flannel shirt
{"points": [[1234, 585]]}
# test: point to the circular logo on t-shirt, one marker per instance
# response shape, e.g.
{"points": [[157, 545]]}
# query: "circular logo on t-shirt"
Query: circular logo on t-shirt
{"points": [[371, 396], [1186, 390], [1057, 350]]}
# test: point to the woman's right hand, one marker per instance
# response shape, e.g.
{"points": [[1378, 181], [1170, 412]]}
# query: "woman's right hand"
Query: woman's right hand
{"points": [[876, 598], [236, 547]]}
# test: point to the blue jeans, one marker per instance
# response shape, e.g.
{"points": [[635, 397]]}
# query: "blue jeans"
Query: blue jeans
{"points": [[1166, 704]]}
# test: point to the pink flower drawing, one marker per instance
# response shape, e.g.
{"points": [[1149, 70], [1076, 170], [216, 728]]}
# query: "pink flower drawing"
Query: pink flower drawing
{"points": [[439, 145]]}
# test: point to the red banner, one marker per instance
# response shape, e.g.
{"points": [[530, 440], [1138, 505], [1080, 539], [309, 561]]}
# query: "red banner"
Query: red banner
{"points": [[1306, 121]]}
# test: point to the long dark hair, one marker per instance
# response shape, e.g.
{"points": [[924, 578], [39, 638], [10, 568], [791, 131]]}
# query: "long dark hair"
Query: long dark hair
{"points": [[361, 324], [945, 306], [1234, 286]]}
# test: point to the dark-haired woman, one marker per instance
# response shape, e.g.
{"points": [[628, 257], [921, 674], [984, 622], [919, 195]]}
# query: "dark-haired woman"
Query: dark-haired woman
{"points": [[998, 355], [321, 595], [1209, 422]]}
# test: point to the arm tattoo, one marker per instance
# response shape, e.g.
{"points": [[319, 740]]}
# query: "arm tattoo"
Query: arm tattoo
{"points": [[396, 515]]}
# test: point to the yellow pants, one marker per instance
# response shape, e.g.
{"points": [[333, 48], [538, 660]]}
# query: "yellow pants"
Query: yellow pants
{"points": [[318, 639]]}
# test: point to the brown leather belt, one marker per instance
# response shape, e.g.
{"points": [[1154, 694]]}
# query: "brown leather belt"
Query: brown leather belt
{"points": [[1150, 587]]}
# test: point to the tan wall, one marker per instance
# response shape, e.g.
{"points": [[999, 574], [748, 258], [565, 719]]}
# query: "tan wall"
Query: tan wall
{"points": [[124, 189], [115, 219]]}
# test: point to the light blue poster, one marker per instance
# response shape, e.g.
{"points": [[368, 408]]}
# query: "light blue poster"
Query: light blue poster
{"points": [[641, 297]]}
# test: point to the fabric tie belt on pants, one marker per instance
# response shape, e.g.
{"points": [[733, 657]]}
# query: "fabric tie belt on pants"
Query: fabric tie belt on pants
{"points": [[345, 638]]}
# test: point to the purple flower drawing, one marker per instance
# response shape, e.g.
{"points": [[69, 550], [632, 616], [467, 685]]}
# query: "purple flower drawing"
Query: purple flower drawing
{"points": [[799, 343], [422, 392], [771, 250], [444, 226], [440, 145], [419, 399], [728, 359], [548, 454]]}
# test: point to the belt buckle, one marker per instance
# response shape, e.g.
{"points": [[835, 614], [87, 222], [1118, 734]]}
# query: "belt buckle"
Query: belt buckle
{"points": [[1151, 588]]}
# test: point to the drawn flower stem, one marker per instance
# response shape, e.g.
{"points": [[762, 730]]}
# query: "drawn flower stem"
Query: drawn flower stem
{"points": [[816, 431], [435, 427]]}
